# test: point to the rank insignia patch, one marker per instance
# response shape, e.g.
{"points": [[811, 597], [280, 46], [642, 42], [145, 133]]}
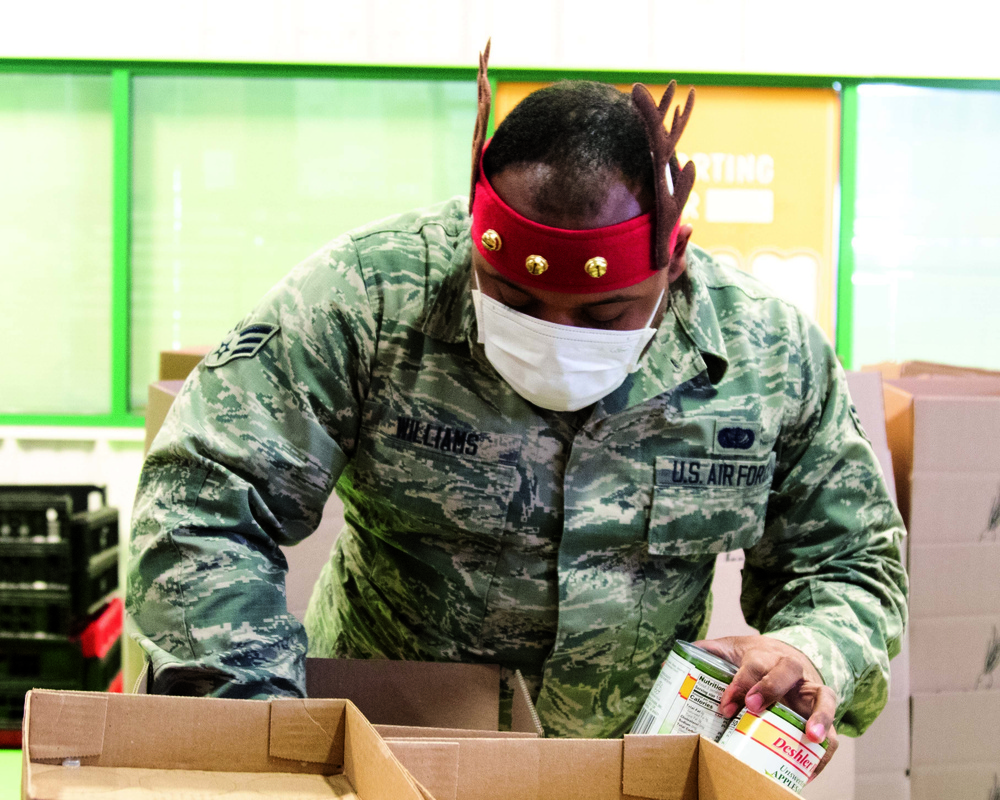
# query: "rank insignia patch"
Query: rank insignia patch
{"points": [[243, 342]]}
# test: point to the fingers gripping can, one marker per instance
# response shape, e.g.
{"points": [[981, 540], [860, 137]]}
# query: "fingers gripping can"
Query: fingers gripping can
{"points": [[686, 695], [774, 743]]}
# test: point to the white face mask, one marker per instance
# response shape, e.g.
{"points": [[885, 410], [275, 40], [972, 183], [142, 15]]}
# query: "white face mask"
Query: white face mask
{"points": [[558, 367]]}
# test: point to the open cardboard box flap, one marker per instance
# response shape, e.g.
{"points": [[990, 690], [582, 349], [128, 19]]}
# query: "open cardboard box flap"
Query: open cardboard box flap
{"points": [[139, 746], [411, 693], [653, 767], [407, 695]]}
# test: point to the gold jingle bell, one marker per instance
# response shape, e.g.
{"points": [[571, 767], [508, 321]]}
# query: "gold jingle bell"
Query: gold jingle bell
{"points": [[491, 240], [536, 265], [596, 267]]}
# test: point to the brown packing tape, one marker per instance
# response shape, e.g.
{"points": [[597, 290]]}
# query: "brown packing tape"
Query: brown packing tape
{"points": [[64, 724], [191, 733], [574, 769], [661, 767], [500, 769], [308, 730], [434, 764]]}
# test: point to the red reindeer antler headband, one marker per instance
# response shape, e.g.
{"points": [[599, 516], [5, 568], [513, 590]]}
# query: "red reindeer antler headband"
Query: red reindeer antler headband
{"points": [[583, 261]]}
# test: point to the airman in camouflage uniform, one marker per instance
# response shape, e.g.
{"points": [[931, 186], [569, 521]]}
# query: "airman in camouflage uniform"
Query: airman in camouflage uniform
{"points": [[573, 546]]}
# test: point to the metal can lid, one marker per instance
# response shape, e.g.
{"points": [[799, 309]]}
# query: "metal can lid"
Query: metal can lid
{"points": [[718, 668], [795, 719], [789, 716]]}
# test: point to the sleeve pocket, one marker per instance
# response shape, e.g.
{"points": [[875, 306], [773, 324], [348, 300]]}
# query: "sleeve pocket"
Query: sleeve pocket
{"points": [[704, 506]]}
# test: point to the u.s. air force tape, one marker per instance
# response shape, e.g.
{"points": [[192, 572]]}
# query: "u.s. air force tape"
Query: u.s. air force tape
{"points": [[241, 342]]}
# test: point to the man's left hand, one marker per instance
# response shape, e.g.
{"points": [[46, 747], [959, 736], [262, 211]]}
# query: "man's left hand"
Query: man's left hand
{"points": [[772, 671]]}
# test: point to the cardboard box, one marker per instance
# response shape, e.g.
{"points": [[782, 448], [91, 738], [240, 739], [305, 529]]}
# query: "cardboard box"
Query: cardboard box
{"points": [[899, 671], [161, 397], [836, 781], [956, 746], [883, 786], [955, 653], [175, 365], [955, 508], [885, 746], [867, 395], [954, 580], [141, 746], [941, 425], [952, 728], [913, 369], [965, 782], [661, 767], [411, 693]]}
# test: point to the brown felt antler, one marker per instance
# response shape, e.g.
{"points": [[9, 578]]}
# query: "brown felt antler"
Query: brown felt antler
{"points": [[662, 143], [482, 118]]}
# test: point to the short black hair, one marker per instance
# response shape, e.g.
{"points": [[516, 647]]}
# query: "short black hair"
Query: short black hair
{"points": [[582, 129]]}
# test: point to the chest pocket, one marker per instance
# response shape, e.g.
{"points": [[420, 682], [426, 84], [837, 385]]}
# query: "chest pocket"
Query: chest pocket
{"points": [[427, 475], [708, 505]]}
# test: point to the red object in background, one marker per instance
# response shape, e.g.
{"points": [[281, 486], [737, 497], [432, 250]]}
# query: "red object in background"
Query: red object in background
{"points": [[10, 739], [100, 635], [117, 685]]}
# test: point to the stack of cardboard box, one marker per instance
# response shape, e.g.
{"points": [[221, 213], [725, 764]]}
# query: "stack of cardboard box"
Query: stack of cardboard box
{"points": [[882, 754], [944, 428]]}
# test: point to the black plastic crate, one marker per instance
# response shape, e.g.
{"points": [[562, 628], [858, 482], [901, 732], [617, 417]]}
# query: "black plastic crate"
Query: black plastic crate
{"points": [[34, 516], [95, 559], [78, 555], [79, 495], [43, 512], [30, 562], [41, 612], [45, 664], [67, 669], [11, 708]]}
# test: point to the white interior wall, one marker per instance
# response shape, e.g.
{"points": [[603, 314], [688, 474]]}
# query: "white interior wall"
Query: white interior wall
{"points": [[850, 38]]}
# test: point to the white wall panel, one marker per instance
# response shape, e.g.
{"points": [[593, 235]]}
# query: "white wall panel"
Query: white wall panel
{"points": [[853, 37]]}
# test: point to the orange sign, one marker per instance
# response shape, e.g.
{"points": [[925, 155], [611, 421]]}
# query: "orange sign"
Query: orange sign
{"points": [[767, 172]]}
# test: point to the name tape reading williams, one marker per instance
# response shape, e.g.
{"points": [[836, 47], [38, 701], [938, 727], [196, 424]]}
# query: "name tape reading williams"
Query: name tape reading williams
{"points": [[440, 437]]}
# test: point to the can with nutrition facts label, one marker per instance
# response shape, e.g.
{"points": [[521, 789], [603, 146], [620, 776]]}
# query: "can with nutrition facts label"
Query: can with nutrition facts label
{"points": [[687, 693]]}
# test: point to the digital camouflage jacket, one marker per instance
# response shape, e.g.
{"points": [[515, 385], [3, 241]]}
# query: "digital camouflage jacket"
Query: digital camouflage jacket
{"points": [[572, 546]]}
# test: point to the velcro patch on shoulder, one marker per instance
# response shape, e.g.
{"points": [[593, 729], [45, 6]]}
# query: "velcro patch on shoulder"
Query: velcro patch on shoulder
{"points": [[241, 342]]}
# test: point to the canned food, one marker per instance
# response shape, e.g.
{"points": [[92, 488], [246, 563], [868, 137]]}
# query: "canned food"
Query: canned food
{"points": [[774, 743], [687, 693]]}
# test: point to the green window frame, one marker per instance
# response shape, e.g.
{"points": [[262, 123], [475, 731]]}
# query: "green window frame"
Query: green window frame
{"points": [[122, 74]]}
